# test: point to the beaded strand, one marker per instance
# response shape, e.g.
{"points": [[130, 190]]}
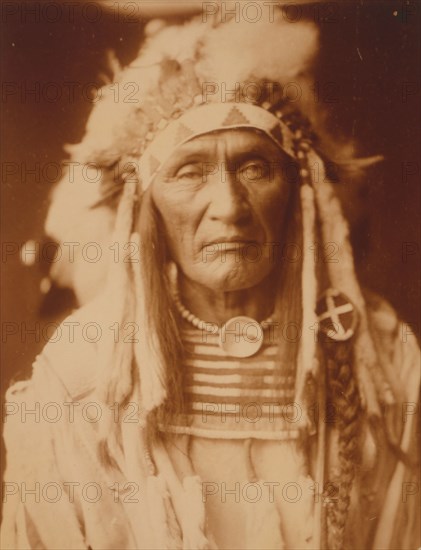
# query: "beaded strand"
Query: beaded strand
{"points": [[203, 325]]}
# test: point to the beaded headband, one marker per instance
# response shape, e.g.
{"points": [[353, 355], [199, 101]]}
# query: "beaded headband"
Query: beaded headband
{"points": [[207, 118]]}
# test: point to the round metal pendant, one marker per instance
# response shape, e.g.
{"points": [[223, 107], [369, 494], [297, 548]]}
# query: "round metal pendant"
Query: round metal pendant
{"points": [[336, 315], [241, 337]]}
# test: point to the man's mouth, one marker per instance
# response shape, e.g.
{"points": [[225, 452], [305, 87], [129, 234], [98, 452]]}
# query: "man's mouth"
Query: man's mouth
{"points": [[230, 243]]}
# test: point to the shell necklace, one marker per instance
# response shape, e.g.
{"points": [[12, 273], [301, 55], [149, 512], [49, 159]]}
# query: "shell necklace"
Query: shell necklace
{"points": [[240, 336]]}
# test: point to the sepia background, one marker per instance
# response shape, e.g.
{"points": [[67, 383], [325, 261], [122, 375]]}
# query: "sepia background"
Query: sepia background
{"points": [[369, 59]]}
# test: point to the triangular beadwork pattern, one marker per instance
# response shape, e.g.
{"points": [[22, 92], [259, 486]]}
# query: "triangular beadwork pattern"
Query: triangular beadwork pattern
{"points": [[235, 116]]}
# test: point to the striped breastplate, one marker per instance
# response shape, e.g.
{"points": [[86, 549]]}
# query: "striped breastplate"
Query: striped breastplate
{"points": [[227, 397]]}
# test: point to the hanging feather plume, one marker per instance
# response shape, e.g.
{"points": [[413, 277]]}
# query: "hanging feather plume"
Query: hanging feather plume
{"points": [[115, 381], [372, 383], [307, 360]]}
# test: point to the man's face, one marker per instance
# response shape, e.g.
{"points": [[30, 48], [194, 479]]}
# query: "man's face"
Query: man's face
{"points": [[222, 198]]}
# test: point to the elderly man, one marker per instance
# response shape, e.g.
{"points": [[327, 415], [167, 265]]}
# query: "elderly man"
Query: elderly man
{"points": [[238, 393]]}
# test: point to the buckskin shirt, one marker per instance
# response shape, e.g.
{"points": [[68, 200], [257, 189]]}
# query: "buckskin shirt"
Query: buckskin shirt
{"points": [[58, 494]]}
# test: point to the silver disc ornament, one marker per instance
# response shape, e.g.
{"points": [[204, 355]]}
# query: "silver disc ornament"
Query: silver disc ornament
{"points": [[241, 336]]}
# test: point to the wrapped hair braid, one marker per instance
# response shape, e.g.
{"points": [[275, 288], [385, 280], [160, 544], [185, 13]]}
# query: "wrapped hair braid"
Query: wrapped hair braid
{"points": [[343, 394]]}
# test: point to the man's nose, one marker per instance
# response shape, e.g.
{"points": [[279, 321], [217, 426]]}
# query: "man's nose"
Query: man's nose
{"points": [[229, 200]]}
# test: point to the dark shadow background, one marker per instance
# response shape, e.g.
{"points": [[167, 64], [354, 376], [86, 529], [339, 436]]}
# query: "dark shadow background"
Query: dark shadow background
{"points": [[371, 51]]}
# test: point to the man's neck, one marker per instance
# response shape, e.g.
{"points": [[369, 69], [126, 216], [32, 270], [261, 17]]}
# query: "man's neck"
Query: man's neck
{"points": [[217, 307]]}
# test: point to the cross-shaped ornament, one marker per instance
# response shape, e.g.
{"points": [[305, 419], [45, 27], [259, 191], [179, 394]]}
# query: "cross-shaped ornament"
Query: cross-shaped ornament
{"points": [[336, 315]]}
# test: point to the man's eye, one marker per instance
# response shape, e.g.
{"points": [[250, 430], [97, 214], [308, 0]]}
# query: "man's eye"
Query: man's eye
{"points": [[189, 171], [254, 170]]}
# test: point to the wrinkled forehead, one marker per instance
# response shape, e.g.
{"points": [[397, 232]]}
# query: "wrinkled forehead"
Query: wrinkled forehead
{"points": [[205, 125], [224, 145]]}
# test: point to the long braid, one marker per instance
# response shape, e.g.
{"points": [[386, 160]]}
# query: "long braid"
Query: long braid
{"points": [[343, 394]]}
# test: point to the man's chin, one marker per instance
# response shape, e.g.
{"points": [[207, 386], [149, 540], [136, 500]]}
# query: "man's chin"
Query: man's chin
{"points": [[232, 276]]}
